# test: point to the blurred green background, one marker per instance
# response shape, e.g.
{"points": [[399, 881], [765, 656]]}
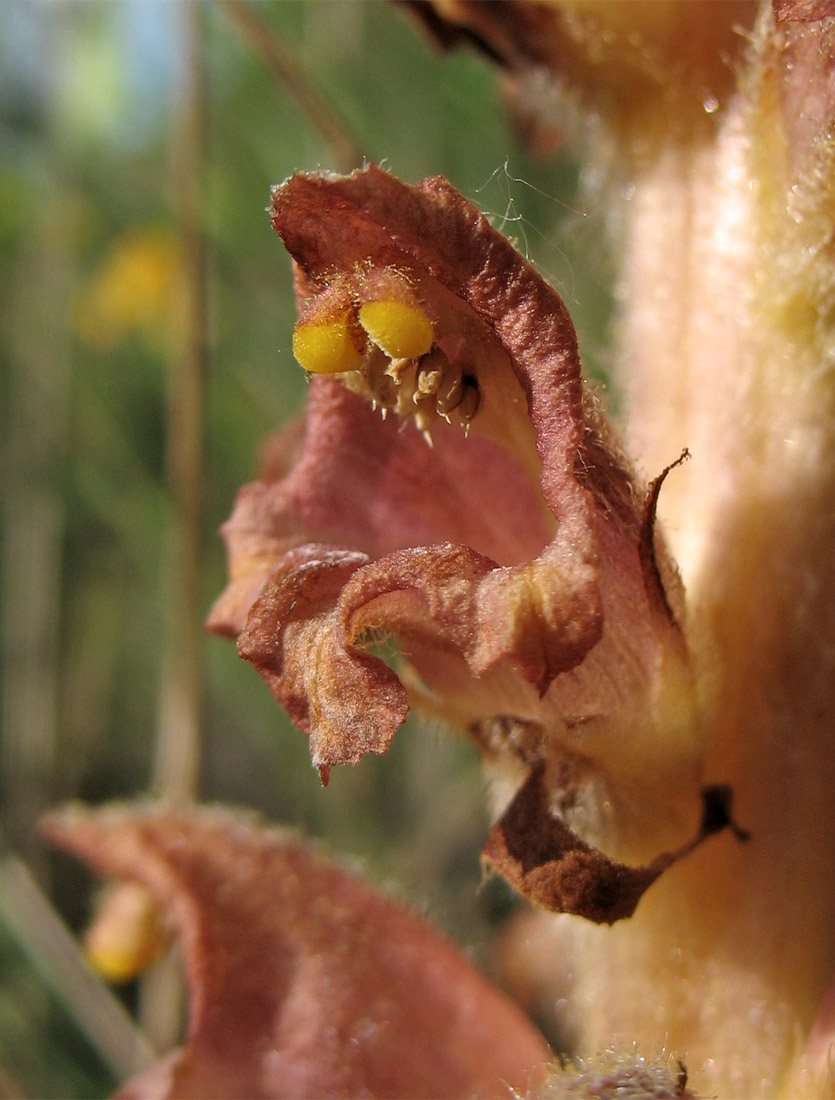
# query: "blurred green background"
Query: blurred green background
{"points": [[102, 173]]}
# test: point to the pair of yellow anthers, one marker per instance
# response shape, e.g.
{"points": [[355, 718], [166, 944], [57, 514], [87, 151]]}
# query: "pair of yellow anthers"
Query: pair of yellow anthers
{"points": [[332, 336]]}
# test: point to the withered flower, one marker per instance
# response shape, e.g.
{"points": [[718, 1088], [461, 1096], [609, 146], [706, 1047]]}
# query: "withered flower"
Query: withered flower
{"points": [[458, 490]]}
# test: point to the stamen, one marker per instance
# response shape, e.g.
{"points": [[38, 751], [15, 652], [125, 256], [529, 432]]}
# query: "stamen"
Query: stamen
{"points": [[424, 410], [400, 367], [469, 403], [383, 387], [450, 391], [374, 325], [127, 933], [429, 380]]}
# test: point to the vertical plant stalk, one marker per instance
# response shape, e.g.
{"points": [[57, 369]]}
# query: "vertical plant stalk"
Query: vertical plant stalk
{"points": [[177, 762], [178, 746], [728, 342]]}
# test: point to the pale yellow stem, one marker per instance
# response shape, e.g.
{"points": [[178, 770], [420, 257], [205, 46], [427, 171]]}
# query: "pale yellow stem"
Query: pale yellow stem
{"points": [[728, 344]]}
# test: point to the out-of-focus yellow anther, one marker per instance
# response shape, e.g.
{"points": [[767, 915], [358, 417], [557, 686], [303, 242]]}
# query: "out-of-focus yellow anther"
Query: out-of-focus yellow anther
{"points": [[126, 935], [401, 328], [328, 346]]}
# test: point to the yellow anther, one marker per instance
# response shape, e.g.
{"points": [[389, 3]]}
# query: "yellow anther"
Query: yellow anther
{"points": [[127, 934], [401, 328], [330, 346]]}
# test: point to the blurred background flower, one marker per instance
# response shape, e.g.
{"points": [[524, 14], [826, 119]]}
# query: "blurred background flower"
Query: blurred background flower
{"points": [[133, 291]]}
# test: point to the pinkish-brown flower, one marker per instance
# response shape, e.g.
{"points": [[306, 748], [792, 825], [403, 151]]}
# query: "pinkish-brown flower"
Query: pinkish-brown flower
{"points": [[457, 490], [303, 980]]}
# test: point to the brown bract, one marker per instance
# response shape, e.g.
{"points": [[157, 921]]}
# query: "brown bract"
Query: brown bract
{"points": [[509, 559], [303, 981], [555, 868]]}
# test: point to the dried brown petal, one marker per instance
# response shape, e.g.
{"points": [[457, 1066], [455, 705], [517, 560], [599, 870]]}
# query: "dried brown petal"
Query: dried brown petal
{"points": [[552, 866], [303, 981]]}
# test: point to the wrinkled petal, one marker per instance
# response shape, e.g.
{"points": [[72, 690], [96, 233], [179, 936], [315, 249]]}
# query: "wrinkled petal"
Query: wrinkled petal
{"points": [[364, 483], [303, 981], [344, 697]]}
